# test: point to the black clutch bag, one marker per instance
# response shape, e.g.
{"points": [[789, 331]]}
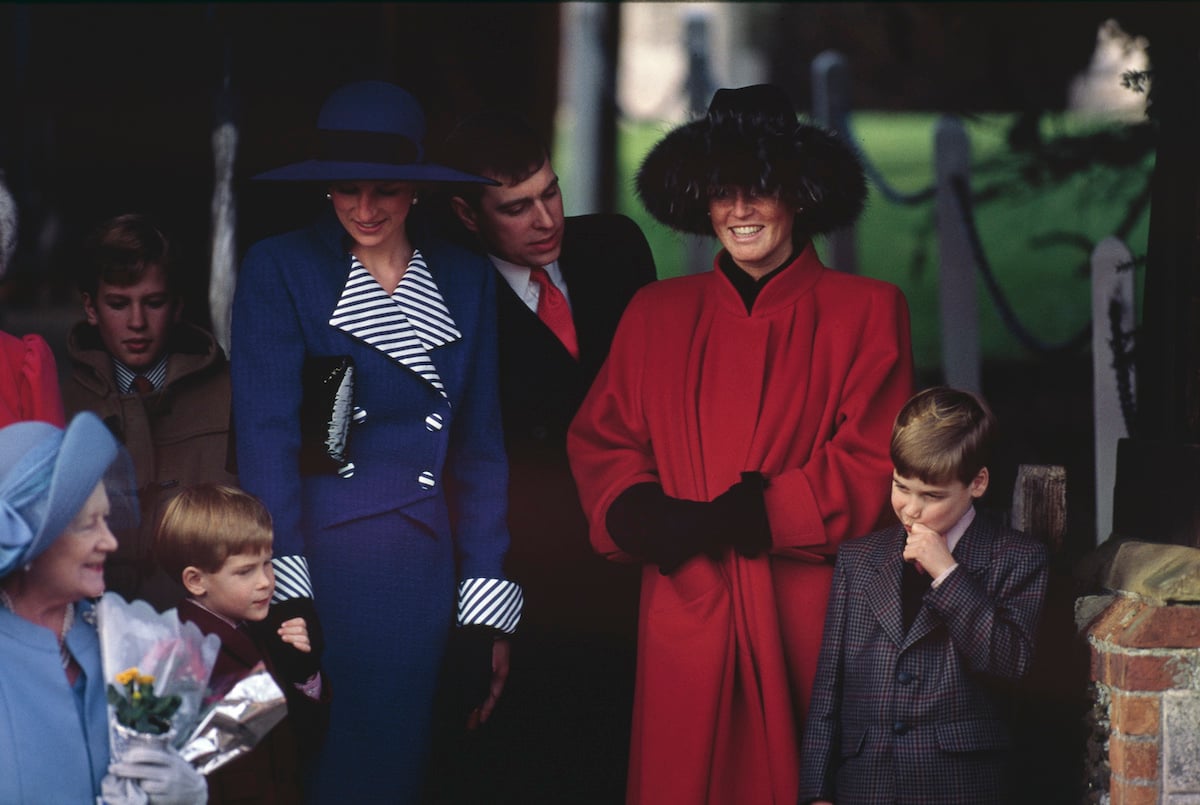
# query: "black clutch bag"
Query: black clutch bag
{"points": [[326, 410]]}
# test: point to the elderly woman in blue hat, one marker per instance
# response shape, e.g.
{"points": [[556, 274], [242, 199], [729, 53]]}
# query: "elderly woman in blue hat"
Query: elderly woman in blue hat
{"points": [[60, 491], [396, 529]]}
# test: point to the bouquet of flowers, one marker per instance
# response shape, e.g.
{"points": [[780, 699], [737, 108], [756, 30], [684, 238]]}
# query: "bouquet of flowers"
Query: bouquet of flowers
{"points": [[236, 723], [160, 668], [138, 706]]}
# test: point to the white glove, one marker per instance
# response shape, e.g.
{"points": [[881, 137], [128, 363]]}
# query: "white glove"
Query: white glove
{"points": [[161, 776]]}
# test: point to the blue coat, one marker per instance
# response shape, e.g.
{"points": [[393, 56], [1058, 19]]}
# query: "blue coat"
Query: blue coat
{"points": [[46, 753], [287, 289], [910, 717], [384, 548]]}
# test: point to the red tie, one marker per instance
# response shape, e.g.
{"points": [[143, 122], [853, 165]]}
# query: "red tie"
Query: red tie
{"points": [[142, 385], [553, 311]]}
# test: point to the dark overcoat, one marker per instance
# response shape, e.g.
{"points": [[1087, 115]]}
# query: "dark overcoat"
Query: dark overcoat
{"points": [[561, 732], [916, 716], [271, 773], [605, 259]]}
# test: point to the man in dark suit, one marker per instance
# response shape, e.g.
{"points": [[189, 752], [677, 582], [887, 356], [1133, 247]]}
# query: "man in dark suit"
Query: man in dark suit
{"points": [[561, 732]]}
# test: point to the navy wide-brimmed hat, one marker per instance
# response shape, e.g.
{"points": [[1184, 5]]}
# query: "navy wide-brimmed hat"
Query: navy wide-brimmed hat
{"points": [[47, 475], [751, 138], [370, 130]]}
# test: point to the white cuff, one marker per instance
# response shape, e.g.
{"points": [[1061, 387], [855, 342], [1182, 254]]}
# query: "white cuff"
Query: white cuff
{"points": [[291, 578], [942, 576], [490, 602]]}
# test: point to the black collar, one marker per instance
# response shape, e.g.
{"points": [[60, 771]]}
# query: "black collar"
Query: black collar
{"points": [[747, 286]]}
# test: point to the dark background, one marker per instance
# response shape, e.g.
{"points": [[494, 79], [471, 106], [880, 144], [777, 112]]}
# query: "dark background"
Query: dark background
{"points": [[110, 107]]}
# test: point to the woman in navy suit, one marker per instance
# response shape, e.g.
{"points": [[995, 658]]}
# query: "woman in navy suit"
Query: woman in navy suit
{"points": [[416, 512]]}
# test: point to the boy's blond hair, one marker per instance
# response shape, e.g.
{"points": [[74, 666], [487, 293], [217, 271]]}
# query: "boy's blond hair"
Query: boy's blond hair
{"points": [[205, 524], [941, 435]]}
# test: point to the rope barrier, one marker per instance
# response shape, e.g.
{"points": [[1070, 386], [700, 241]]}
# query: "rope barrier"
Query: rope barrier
{"points": [[877, 178], [962, 196]]}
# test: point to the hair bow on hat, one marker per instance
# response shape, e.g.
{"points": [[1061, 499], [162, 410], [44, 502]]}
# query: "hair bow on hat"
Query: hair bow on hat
{"points": [[51, 474]]}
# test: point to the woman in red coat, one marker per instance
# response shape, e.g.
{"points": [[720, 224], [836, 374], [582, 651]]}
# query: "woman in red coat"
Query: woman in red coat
{"points": [[738, 432]]}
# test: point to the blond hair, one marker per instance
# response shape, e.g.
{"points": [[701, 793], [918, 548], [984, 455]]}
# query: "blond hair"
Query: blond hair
{"points": [[943, 434], [204, 525]]}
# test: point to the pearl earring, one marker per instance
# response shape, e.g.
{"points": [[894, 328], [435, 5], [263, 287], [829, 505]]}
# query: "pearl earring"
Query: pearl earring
{"points": [[329, 196], [415, 199]]}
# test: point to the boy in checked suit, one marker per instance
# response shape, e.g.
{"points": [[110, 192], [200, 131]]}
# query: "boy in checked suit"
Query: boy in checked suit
{"points": [[924, 619]]}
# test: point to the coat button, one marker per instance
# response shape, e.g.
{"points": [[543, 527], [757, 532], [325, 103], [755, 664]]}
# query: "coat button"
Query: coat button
{"points": [[426, 480], [359, 415], [434, 422], [347, 470], [905, 678], [899, 728]]}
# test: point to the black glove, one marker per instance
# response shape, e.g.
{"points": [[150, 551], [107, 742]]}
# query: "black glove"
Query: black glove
{"points": [[742, 511], [668, 531], [291, 663]]}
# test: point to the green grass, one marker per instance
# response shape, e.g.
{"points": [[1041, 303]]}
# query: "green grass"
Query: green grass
{"points": [[1036, 238]]}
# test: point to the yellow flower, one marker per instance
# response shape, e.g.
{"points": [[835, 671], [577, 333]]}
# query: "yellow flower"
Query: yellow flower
{"points": [[146, 680], [137, 695], [127, 676]]}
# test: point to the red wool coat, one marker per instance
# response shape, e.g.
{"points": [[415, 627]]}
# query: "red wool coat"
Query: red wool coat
{"points": [[804, 389]]}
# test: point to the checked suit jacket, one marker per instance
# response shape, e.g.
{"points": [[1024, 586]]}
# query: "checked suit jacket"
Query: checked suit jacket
{"points": [[605, 259], [917, 716]]}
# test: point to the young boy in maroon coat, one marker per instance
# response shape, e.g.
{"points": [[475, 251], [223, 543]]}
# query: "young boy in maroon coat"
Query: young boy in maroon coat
{"points": [[928, 620], [217, 541]]}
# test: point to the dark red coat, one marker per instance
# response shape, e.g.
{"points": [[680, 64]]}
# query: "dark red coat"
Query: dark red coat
{"points": [[272, 772], [803, 389]]}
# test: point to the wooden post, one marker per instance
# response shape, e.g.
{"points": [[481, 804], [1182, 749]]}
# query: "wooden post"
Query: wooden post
{"points": [[958, 301], [1112, 285], [1039, 505], [830, 73]]}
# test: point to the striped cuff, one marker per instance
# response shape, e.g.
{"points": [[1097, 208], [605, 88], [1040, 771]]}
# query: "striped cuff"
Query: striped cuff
{"points": [[490, 602], [291, 578]]}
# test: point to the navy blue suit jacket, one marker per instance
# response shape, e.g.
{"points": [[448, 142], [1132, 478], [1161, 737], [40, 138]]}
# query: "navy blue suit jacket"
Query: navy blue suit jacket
{"points": [[287, 289]]}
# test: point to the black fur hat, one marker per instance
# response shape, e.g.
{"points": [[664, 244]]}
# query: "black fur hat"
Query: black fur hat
{"points": [[751, 137]]}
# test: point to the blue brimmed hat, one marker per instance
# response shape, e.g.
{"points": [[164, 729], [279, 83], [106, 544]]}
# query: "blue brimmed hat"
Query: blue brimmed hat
{"points": [[370, 130], [50, 474]]}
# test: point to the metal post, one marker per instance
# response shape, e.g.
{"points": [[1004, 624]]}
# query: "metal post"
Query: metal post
{"points": [[699, 85], [1112, 309], [830, 74], [589, 80], [958, 302]]}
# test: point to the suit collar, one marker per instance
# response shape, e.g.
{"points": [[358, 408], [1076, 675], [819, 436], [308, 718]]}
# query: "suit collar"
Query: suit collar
{"points": [[796, 279], [234, 641], [884, 596]]}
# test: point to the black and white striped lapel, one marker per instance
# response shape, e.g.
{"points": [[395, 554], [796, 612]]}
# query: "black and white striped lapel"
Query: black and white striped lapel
{"points": [[405, 325]]}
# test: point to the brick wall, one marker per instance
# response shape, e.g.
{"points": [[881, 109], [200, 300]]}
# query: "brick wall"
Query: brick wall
{"points": [[1145, 731]]}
